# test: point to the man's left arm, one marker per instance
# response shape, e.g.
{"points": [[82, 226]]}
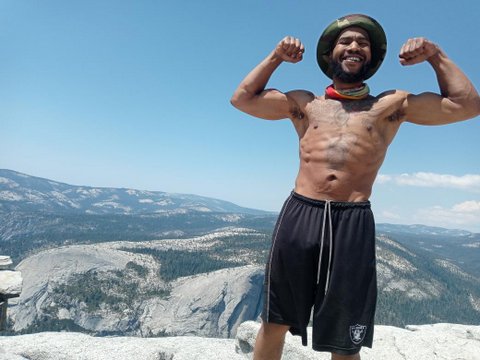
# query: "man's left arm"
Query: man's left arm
{"points": [[458, 99]]}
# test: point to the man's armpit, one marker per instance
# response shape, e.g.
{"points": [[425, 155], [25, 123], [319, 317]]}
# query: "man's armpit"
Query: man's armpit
{"points": [[298, 100], [296, 113], [397, 115]]}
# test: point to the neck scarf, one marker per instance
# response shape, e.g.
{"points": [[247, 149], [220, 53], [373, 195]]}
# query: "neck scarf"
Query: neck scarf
{"points": [[349, 94]]}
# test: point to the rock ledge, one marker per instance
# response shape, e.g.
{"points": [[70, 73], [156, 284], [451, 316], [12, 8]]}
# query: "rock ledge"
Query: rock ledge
{"points": [[426, 342]]}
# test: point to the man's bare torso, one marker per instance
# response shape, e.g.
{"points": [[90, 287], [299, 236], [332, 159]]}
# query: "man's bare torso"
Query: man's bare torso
{"points": [[343, 143]]}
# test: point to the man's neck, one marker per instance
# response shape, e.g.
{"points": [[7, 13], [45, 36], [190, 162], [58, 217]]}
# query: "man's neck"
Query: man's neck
{"points": [[359, 91], [339, 85]]}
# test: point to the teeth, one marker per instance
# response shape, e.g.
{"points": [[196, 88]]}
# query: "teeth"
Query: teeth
{"points": [[353, 58]]}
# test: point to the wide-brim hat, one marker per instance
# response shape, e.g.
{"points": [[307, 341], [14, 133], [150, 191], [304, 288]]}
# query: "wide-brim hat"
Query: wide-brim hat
{"points": [[378, 41]]}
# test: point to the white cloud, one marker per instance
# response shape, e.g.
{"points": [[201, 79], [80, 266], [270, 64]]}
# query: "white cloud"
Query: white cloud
{"points": [[382, 179], [468, 207], [468, 182], [389, 215], [464, 215]]}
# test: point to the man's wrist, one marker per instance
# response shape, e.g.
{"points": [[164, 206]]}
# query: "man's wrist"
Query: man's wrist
{"points": [[437, 57], [275, 58]]}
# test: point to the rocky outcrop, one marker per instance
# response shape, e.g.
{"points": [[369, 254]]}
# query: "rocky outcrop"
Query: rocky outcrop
{"points": [[210, 304], [76, 346], [10, 281], [134, 300], [10, 287], [424, 342], [45, 271]]}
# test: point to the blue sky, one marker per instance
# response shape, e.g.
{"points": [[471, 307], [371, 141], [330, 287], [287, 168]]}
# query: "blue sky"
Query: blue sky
{"points": [[136, 94]]}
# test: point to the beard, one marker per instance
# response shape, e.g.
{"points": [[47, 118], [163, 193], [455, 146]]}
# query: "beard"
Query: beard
{"points": [[346, 77]]}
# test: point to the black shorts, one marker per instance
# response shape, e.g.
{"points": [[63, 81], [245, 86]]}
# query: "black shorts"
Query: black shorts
{"points": [[323, 257]]}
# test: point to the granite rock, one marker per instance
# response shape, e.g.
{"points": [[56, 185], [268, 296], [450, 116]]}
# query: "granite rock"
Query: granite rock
{"points": [[10, 283], [5, 262], [422, 342]]}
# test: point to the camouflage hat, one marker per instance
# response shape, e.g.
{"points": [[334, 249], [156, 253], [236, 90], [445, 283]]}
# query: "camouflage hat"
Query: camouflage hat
{"points": [[378, 41]]}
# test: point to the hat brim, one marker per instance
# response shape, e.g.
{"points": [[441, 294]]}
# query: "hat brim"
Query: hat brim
{"points": [[378, 41]]}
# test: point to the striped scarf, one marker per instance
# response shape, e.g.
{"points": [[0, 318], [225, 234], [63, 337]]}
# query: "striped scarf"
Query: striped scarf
{"points": [[350, 94]]}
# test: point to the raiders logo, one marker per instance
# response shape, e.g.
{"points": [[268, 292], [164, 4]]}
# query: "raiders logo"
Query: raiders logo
{"points": [[357, 333]]}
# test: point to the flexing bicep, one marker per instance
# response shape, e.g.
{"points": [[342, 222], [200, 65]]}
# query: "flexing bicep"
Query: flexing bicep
{"points": [[432, 109], [269, 104]]}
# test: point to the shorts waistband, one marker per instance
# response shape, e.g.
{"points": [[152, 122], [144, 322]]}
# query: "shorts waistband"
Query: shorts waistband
{"points": [[336, 204]]}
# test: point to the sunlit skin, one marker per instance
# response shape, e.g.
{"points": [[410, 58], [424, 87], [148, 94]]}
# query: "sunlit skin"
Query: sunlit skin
{"points": [[342, 144]]}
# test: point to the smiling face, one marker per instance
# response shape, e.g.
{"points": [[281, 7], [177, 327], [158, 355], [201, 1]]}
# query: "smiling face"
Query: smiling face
{"points": [[351, 55]]}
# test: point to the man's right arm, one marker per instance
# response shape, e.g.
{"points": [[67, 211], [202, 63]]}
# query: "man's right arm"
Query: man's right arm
{"points": [[251, 96]]}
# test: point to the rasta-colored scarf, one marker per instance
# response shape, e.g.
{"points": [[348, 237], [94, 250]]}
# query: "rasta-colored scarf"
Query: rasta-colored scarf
{"points": [[350, 94]]}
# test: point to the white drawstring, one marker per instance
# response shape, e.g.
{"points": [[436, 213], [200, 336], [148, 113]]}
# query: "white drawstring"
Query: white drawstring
{"points": [[327, 212]]}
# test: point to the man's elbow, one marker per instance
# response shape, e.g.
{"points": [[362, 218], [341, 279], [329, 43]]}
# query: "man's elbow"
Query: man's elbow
{"points": [[477, 107], [466, 108], [235, 100], [240, 99], [473, 110]]}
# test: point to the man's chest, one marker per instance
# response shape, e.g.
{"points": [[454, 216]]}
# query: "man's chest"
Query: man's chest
{"points": [[365, 118]]}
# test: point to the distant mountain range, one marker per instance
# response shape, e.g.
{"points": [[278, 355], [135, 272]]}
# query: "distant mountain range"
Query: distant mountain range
{"points": [[25, 193], [39, 212], [20, 192], [418, 229]]}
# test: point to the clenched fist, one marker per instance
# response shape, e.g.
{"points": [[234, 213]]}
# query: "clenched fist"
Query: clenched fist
{"points": [[417, 50], [290, 49]]}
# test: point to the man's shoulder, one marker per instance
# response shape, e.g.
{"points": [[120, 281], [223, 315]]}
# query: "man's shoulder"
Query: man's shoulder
{"points": [[392, 94], [301, 95]]}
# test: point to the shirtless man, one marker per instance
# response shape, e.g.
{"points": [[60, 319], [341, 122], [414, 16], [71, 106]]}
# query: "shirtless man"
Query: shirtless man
{"points": [[323, 246]]}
